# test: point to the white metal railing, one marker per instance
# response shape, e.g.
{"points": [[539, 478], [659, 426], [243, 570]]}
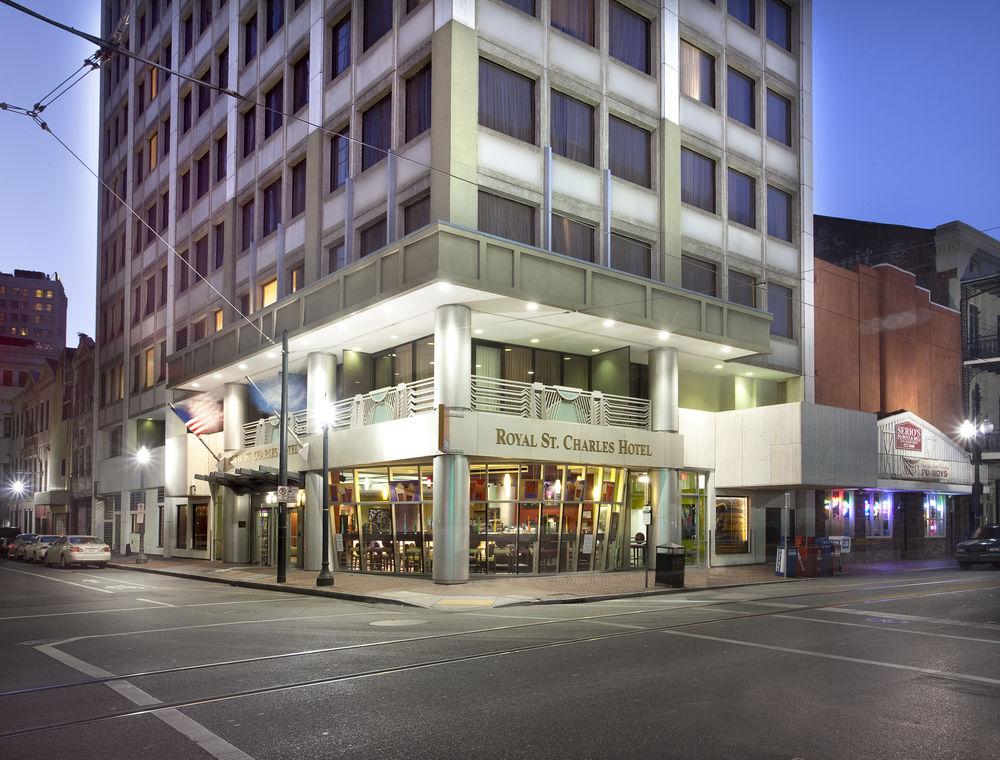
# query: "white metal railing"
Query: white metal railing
{"points": [[558, 403], [265, 430]]}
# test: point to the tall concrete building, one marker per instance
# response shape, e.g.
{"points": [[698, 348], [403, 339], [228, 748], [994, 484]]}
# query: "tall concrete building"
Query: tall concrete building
{"points": [[543, 264]]}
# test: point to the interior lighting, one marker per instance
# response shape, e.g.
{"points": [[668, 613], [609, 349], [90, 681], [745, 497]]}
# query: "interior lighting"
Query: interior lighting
{"points": [[534, 340], [726, 349], [608, 323], [719, 366], [357, 349], [532, 306], [748, 374], [242, 366], [478, 331], [595, 350], [393, 337], [272, 355], [217, 375], [663, 335], [195, 385], [444, 287], [142, 456]]}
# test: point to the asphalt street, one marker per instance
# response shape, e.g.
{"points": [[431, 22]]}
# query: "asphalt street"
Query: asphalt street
{"points": [[117, 664]]}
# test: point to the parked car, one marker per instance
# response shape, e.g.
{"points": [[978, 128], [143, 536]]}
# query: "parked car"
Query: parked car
{"points": [[984, 546], [20, 544], [77, 550], [35, 551]]}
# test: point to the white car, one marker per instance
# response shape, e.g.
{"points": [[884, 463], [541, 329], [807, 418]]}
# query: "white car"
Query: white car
{"points": [[35, 551], [77, 550]]}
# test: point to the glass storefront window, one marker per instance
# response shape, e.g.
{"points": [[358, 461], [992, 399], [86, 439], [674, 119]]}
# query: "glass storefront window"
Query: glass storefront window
{"points": [[935, 515], [373, 484], [693, 501], [838, 507], [404, 484], [731, 523], [877, 514]]}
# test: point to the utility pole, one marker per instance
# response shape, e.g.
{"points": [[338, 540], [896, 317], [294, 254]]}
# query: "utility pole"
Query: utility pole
{"points": [[283, 459]]}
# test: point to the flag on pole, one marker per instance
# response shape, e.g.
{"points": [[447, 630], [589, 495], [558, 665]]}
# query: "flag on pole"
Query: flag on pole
{"points": [[201, 415]]}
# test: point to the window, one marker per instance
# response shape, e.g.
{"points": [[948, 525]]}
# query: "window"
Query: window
{"points": [[779, 303], [340, 152], [632, 256], [268, 293], [247, 226], [341, 47], [628, 151], [199, 330], [205, 17], [166, 136], [506, 218], [245, 304], [300, 83], [372, 237], [418, 103], [137, 304], [201, 256], [275, 10], [779, 214], [628, 37], [697, 180], [163, 286], [219, 235], [377, 21], [743, 10], [150, 226], [528, 6], [249, 131], [250, 39], [742, 288], [168, 60], [150, 296], [272, 108], [699, 276], [272, 207], [154, 150], [697, 74], [740, 99], [136, 380], [187, 32], [742, 199], [506, 101], [575, 18], [572, 123], [336, 257], [182, 269], [201, 175], [185, 181], [220, 158], [222, 69], [877, 514], [572, 238], [154, 83], [299, 188], [779, 25], [217, 320], [935, 515], [416, 214], [164, 211], [149, 376], [779, 118], [376, 132], [296, 278], [204, 92], [186, 113]]}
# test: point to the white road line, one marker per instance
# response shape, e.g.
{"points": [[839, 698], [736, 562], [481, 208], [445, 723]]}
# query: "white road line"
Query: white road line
{"points": [[213, 744], [153, 601], [841, 658], [912, 618], [57, 580], [136, 609], [779, 604], [892, 629]]}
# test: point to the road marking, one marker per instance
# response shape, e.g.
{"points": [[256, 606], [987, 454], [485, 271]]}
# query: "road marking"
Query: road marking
{"points": [[893, 629], [779, 604], [137, 609], [912, 618], [465, 602], [839, 657], [57, 580], [213, 744], [153, 601]]}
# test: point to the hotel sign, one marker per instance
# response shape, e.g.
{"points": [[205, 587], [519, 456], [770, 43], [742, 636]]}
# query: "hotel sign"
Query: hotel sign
{"points": [[909, 437], [257, 455], [570, 442]]}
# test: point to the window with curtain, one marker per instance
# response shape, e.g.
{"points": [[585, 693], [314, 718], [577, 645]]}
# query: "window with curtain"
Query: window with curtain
{"points": [[628, 151], [247, 225], [274, 105], [528, 6], [300, 83], [201, 175], [340, 152], [423, 358], [576, 371], [517, 364], [372, 237], [697, 74], [340, 45], [336, 257], [416, 214], [742, 199], [697, 180], [377, 21], [743, 10], [220, 158], [220, 245], [572, 123], [779, 303], [575, 18], [376, 132], [779, 23], [630, 255], [699, 275], [628, 37], [403, 364], [742, 288], [506, 101], [779, 118], [572, 238], [272, 207], [249, 131], [250, 39], [779, 213], [418, 103], [299, 188], [506, 218], [548, 367], [740, 98], [487, 360]]}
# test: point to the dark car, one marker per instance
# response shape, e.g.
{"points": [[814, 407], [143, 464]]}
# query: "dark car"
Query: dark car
{"points": [[984, 546]]}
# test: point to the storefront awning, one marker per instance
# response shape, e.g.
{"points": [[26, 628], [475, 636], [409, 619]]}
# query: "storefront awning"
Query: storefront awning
{"points": [[246, 481]]}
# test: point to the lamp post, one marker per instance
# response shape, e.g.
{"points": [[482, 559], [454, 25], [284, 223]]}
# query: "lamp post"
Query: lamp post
{"points": [[973, 431], [142, 457], [325, 577]]}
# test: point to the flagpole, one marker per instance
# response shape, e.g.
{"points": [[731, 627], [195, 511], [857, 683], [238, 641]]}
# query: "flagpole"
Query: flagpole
{"points": [[186, 428]]}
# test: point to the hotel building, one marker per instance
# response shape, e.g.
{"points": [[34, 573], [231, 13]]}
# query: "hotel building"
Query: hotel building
{"points": [[542, 265]]}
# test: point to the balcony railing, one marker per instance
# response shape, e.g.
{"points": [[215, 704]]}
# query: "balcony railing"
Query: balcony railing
{"points": [[983, 347], [558, 403]]}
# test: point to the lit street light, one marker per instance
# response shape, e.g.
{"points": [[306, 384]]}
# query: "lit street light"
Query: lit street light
{"points": [[142, 458], [325, 577], [973, 432]]}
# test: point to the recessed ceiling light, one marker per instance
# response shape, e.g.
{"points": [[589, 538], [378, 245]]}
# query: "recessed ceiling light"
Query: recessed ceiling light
{"points": [[478, 331], [389, 309], [608, 323], [217, 376], [749, 374], [242, 366], [567, 358], [430, 343], [532, 306], [664, 335], [272, 355], [195, 385], [394, 337], [531, 372], [479, 366], [719, 366], [725, 349], [357, 349], [341, 328], [534, 340], [304, 341], [508, 349], [431, 363], [595, 350], [444, 287]]}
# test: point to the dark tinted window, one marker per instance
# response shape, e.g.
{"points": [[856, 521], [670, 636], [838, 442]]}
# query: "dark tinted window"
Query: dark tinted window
{"points": [[697, 180], [372, 237], [377, 20], [632, 256], [572, 123], [697, 74], [575, 18], [300, 83], [742, 288], [699, 276], [299, 188], [506, 218], [572, 238], [742, 199], [628, 36], [528, 6], [740, 99], [341, 47], [418, 103], [743, 10], [779, 213], [779, 303], [628, 151], [779, 118], [376, 132], [506, 101], [779, 23]]}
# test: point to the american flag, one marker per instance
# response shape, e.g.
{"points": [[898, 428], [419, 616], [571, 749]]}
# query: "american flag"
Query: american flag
{"points": [[202, 414]]}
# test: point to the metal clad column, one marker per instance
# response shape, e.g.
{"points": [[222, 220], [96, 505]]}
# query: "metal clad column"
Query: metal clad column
{"points": [[321, 389], [453, 389], [665, 489], [235, 508]]}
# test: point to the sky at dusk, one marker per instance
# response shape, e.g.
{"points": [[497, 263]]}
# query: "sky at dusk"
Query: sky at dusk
{"points": [[906, 105]]}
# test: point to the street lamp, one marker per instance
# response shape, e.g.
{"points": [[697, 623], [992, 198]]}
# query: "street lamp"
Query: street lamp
{"points": [[18, 488], [973, 431], [325, 577], [142, 457]]}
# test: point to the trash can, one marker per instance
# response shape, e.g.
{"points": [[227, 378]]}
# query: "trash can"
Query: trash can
{"points": [[786, 563], [670, 565], [825, 547]]}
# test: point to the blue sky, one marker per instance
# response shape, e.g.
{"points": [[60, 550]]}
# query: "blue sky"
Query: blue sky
{"points": [[906, 103]]}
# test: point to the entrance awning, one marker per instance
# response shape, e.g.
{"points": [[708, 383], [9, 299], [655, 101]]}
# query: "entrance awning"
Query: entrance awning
{"points": [[246, 481]]}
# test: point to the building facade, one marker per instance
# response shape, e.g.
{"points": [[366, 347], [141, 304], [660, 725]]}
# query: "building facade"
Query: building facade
{"points": [[542, 264]]}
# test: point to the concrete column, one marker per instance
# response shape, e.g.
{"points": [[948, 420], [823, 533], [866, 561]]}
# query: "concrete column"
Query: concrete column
{"points": [[451, 518], [663, 389], [321, 389], [664, 486], [453, 356], [235, 508]]}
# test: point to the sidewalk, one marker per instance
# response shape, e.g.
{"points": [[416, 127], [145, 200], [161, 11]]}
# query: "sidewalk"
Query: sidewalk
{"points": [[489, 591]]}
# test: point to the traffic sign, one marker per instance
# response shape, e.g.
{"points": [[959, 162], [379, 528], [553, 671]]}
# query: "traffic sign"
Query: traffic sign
{"points": [[288, 494], [141, 506]]}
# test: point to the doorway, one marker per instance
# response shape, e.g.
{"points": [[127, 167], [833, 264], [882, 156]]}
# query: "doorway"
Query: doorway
{"points": [[772, 530]]}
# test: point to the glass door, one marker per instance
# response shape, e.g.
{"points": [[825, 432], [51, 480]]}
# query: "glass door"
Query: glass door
{"points": [[694, 535], [570, 537], [548, 540], [588, 522], [601, 539], [731, 534]]}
